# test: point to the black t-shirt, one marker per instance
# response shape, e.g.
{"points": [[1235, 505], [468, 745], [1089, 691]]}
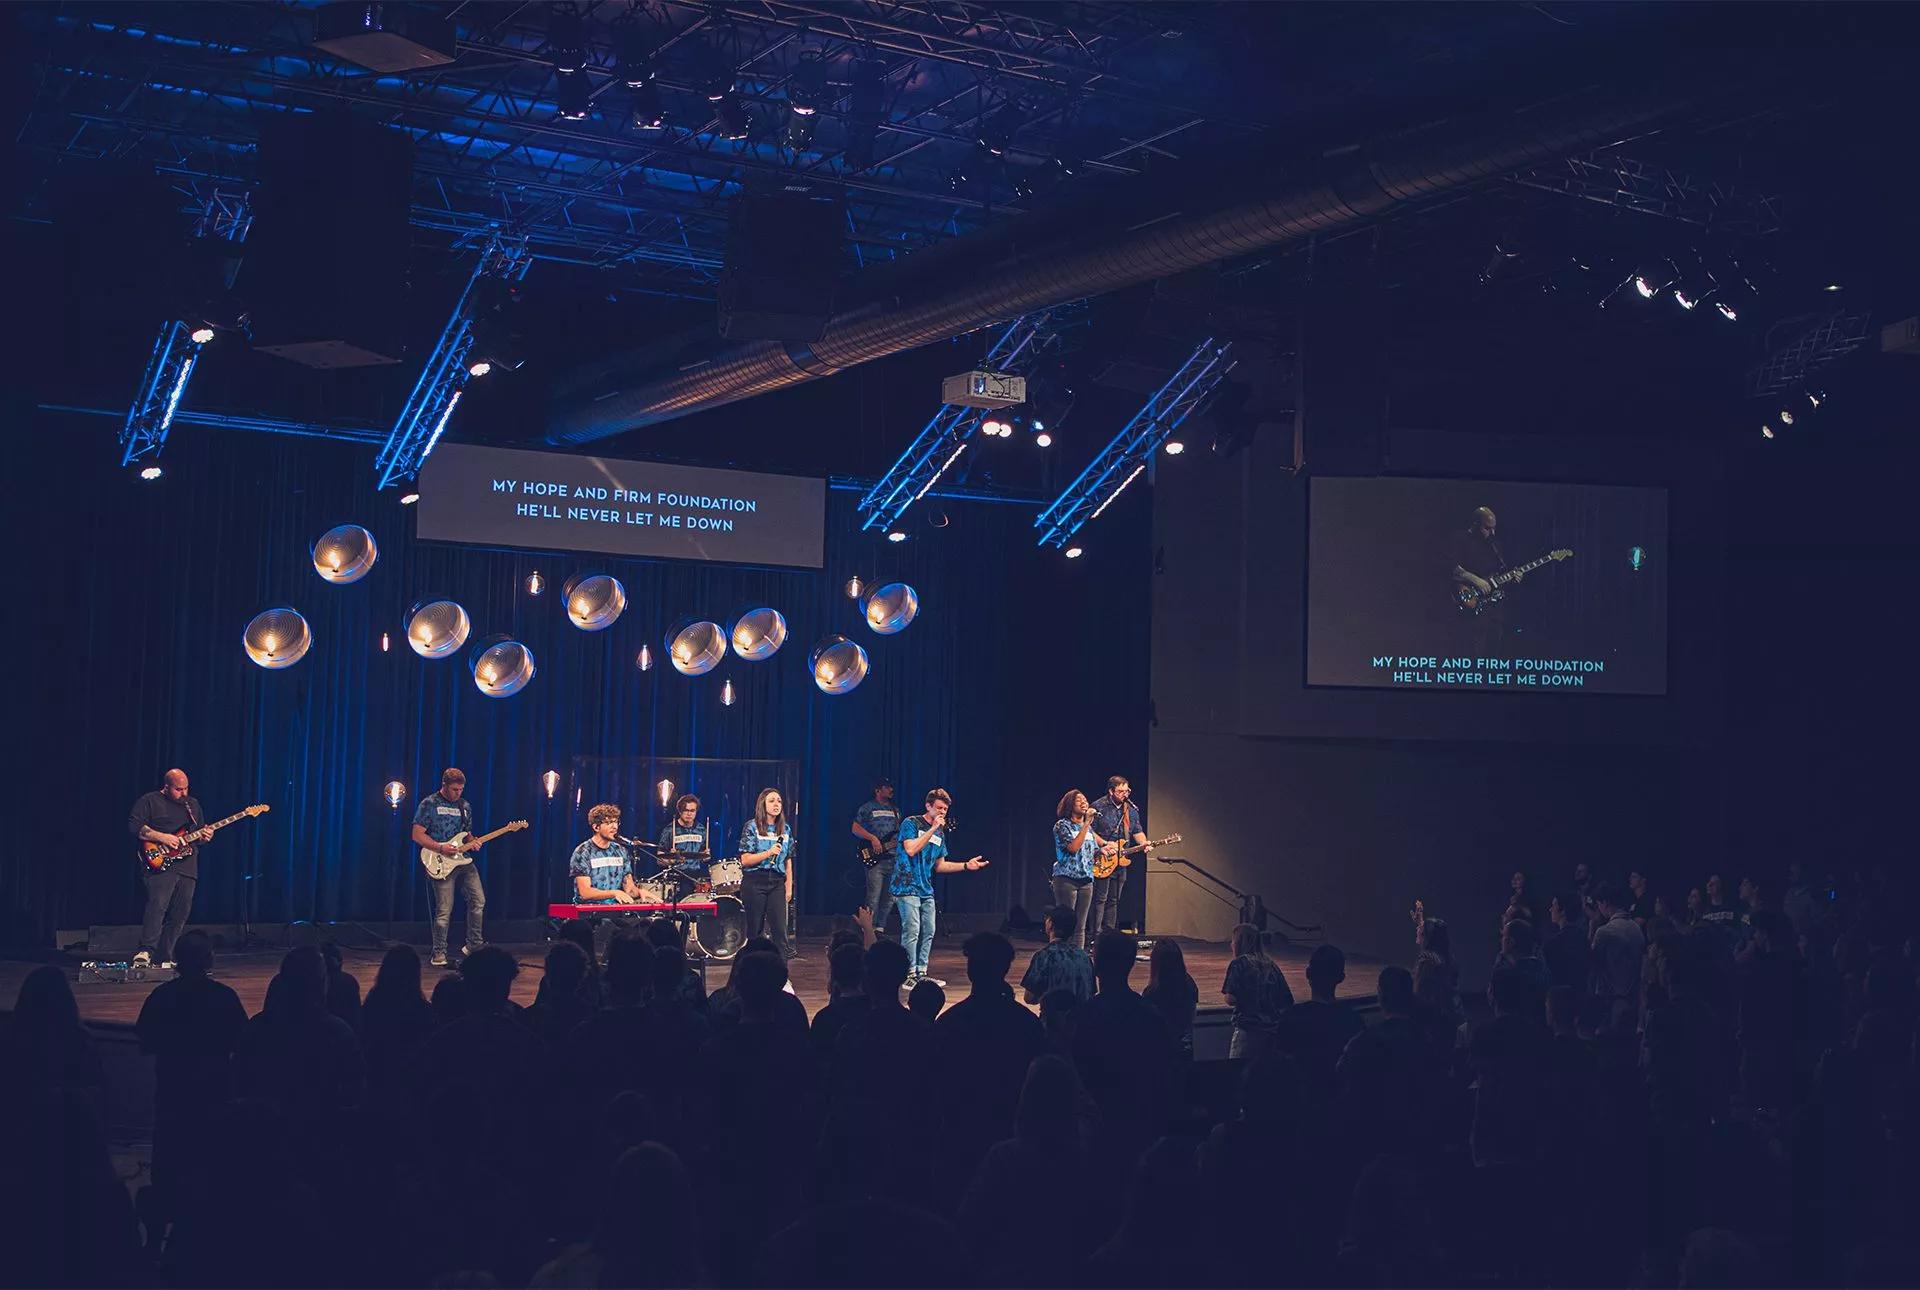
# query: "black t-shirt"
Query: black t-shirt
{"points": [[1476, 554], [162, 814]]}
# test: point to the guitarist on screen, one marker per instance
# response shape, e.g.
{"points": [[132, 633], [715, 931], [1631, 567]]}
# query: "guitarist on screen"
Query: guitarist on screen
{"points": [[443, 816], [171, 817], [877, 824], [1477, 557]]}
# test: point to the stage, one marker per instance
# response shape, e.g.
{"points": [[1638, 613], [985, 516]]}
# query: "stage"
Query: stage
{"points": [[119, 1003]]}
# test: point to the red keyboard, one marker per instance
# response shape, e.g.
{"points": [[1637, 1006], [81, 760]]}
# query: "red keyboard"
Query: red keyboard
{"points": [[703, 906]]}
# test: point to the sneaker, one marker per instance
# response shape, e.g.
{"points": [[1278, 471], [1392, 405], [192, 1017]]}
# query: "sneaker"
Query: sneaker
{"points": [[438, 960], [142, 960], [909, 983], [166, 965]]}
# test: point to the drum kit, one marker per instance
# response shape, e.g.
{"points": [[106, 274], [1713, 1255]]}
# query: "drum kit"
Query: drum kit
{"points": [[720, 934]]}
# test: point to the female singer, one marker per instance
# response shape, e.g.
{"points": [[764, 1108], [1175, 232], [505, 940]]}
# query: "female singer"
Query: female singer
{"points": [[766, 858]]}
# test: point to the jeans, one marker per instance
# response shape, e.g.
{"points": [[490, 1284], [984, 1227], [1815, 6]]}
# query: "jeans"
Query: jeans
{"points": [[880, 892], [1077, 893], [1106, 904], [916, 930], [169, 900], [763, 894], [468, 880]]}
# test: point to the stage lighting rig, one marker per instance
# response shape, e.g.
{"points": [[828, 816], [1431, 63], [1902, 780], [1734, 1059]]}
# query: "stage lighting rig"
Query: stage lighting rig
{"points": [[996, 131], [734, 121], [575, 97], [807, 88], [566, 40], [984, 389], [649, 110]]}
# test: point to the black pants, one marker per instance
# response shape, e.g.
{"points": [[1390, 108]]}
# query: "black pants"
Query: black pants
{"points": [[1105, 914], [169, 901], [763, 894]]}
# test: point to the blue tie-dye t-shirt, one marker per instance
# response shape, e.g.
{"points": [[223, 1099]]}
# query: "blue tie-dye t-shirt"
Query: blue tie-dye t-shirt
{"points": [[1068, 863], [913, 874]]}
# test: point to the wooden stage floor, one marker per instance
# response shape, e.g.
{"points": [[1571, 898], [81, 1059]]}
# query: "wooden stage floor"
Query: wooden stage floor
{"points": [[249, 974]]}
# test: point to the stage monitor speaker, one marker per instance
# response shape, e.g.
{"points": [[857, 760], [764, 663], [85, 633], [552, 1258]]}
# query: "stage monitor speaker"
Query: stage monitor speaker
{"points": [[783, 265], [326, 268]]}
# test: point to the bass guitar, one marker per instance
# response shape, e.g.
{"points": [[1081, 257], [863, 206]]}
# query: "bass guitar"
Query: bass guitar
{"points": [[439, 866], [870, 855], [1472, 600], [1107, 861], [157, 858]]}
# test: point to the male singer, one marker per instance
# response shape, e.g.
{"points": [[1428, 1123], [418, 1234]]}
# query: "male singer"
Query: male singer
{"points": [[1119, 820]]}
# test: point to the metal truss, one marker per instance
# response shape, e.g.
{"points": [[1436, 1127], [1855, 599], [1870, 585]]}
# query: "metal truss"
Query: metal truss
{"points": [[184, 87], [1629, 184], [1017, 348], [1821, 340], [1130, 451], [343, 431], [444, 377], [169, 368]]}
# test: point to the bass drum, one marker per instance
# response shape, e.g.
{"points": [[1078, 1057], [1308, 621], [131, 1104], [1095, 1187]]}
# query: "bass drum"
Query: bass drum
{"points": [[721, 933]]}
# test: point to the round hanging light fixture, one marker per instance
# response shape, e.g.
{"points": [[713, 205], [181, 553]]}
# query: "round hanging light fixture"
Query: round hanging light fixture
{"points": [[854, 587], [695, 646], [502, 667], [759, 633], [594, 601], [277, 638], [838, 665], [892, 607], [345, 553], [437, 628]]}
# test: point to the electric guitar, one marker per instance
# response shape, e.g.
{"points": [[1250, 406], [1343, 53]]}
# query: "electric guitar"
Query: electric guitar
{"points": [[870, 855], [1106, 862], [156, 858], [439, 866], [1472, 600]]}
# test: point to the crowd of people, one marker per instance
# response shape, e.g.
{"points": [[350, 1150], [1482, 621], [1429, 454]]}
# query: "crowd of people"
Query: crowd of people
{"points": [[1645, 1096]]}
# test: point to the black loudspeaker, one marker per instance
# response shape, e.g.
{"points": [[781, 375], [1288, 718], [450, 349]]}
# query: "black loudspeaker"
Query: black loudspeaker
{"points": [[326, 268], [783, 265]]}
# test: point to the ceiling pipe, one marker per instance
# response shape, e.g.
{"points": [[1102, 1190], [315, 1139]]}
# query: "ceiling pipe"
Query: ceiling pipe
{"points": [[1346, 187]]}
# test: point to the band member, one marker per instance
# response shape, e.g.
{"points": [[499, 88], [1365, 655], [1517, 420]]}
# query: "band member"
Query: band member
{"points": [[877, 824], [1117, 819], [443, 816], [171, 817], [601, 867], [1477, 557], [683, 844], [766, 856], [923, 853], [1075, 844]]}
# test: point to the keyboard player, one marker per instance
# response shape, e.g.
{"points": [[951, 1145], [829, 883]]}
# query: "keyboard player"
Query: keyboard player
{"points": [[602, 867]]}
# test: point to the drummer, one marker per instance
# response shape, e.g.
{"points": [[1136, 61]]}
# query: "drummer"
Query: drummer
{"points": [[601, 867], [683, 843]]}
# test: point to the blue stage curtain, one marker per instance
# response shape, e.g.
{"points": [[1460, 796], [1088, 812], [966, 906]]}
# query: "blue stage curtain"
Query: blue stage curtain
{"points": [[1008, 686]]}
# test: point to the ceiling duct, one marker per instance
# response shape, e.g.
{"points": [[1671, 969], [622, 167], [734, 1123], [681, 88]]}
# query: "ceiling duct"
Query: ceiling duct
{"points": [[961, 293]]}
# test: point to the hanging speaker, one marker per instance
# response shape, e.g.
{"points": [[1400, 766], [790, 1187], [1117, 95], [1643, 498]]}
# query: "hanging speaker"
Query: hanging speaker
{"points": [[758, 634], [345, 553], [277, 638], [838, 665], [892, 607], [695, 646], [502, 667], [437, 628], [594, 601]]}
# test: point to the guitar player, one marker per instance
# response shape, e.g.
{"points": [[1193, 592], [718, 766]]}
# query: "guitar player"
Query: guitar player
{"points": [[876, 824], [170, 816], [1477, 557], [441, 816], [1119, 820]]}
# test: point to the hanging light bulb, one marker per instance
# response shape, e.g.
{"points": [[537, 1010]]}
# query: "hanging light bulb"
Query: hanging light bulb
{"points": [[535, 583], [726, 693], [665, 789], [552, 782], [644, 659], [386, 642], [854, 587], [1786, 416], [395, 792]]}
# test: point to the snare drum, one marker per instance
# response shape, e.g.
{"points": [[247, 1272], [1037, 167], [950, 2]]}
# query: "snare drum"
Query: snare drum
{"points": [[721, 933], [724, 876]]}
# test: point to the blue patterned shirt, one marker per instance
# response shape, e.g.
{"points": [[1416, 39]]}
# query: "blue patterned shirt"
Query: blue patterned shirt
{"points": [[913, 874], [1068, 863], [753, 840], [883, 821], [602, 867], [687, 844], [443, 819], [1059, 965], [1118, 821]]}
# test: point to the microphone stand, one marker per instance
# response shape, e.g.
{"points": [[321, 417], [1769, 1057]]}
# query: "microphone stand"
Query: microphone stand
{"points": [[1253, 908]]}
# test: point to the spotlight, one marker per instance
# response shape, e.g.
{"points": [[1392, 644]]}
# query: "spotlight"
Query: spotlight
{"points": [[551, 782], [1766, 432], [1074, 552], [344, 554], [695, 646], [575, 98], [734, 122], [535, 583], [807, 89], [437, 627], [1174, 447], [565, 43], [719, 85], [502, 667], [1727, 311], [649, 110], [1815, 397], [277, 638], [898, 535], [395, 792], [644, 659], [1043, 440], [892, 608], [1644, 286], [594, 601], [1786, 416], [201, 335], [759, 633], [151, 473], [854, 587], [1831, 286], [408, 499], [479, 367], [631, 54], [1686, 301], [996, 427], [726, 693], [838, 665]]}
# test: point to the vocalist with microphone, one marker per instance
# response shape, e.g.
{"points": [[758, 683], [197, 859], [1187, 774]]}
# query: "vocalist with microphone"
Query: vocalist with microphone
{"points": [[923, 854], [601, 868]]}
